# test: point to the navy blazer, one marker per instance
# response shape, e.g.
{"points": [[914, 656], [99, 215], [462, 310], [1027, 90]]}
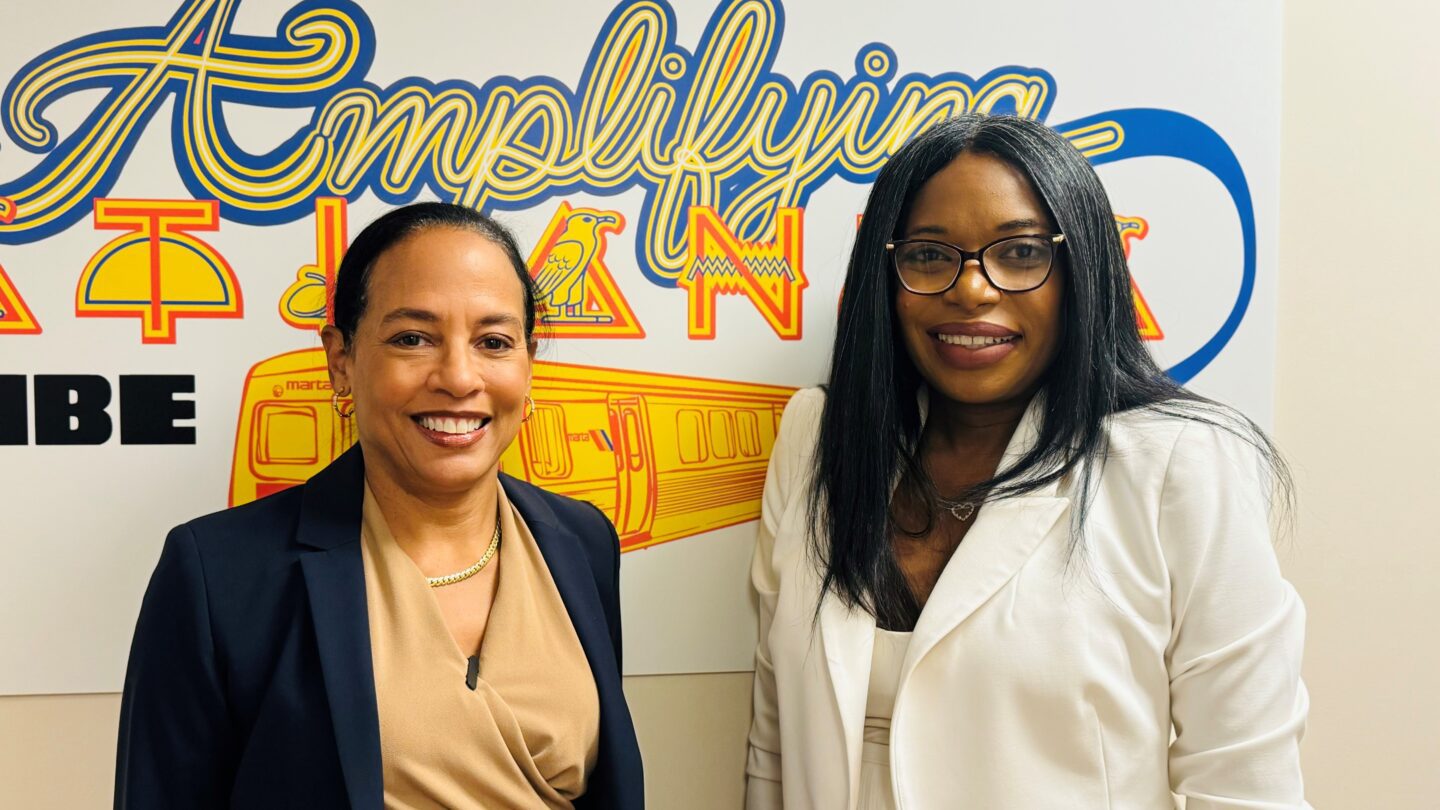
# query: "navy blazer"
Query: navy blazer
{"points": [[250, 682]]}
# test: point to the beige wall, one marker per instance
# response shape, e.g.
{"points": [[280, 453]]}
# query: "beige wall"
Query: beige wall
{"points": [[1358, 382], [57, 752], [1358, 386]]}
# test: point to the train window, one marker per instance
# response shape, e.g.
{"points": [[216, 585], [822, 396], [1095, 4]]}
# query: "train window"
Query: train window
{"points": [[722, 434], [690, 427], [545, 442], [287, 435], [749, 429]]}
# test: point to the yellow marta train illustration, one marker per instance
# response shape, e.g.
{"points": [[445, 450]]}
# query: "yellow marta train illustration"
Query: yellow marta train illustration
{"points": [[664, 456]]}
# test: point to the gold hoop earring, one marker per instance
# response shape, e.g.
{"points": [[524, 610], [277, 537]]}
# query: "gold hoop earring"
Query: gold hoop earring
{"points": [[525, 415], [335, 403]]}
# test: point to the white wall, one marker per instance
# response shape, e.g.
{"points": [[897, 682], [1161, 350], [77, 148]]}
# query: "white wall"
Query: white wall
{"points": [[1358, 379]]}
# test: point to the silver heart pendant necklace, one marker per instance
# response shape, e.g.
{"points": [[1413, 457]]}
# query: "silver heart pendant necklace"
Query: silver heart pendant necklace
{"points": [[962, 510]]}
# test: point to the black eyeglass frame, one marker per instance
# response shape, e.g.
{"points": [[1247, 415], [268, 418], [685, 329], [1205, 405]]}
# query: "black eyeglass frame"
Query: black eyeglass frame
{"points": [[1056, 239]]}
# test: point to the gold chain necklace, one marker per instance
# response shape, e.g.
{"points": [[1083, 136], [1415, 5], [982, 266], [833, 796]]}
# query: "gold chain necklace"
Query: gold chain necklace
{"points": [[461, 576]]}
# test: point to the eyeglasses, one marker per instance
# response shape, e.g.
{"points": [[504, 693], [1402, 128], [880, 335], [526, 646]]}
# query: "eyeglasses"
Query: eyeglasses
{"points": [[1012, 264]]}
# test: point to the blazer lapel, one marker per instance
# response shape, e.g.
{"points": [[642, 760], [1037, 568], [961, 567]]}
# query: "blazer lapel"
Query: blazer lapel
{"points": [[568, 565], [335, 580], [1005, 534], [848, 637]]}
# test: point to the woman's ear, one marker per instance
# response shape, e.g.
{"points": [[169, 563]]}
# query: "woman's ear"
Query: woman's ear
{"points": [[337, 358]]}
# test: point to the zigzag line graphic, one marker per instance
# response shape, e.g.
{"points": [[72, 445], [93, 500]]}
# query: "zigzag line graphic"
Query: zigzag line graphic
{"points": [[720, 267]]}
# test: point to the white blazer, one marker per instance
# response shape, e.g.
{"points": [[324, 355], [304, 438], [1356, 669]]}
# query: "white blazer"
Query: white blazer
{"points": [[1032, 685]]}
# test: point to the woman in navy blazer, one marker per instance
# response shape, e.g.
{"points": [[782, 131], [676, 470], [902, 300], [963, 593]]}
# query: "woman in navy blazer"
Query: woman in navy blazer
{"points": [[251, 682]]}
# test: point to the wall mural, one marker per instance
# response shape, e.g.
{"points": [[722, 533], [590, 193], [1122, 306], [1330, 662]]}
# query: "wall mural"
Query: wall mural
{"points": [[674, 168]]}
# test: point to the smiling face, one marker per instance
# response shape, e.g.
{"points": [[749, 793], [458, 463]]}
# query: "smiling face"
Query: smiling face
{"points": [[975, 344], [439, 365]]}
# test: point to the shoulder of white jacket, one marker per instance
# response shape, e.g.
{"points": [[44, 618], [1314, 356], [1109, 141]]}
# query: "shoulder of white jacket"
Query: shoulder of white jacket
{"points": [[1139, 444], [794, 449], [803, 411], [807, 400], [1152, 440], [1144, 425]]}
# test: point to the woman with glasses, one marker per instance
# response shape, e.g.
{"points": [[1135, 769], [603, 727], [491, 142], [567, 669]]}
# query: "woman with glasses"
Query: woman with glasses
{"points": [[1003, 558]]}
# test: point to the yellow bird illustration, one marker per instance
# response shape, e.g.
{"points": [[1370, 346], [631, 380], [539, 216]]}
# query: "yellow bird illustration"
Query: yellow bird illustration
{"points": [[560, 284]]}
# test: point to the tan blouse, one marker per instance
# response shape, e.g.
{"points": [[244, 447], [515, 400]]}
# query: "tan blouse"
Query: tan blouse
{"points": [[527, 736]]}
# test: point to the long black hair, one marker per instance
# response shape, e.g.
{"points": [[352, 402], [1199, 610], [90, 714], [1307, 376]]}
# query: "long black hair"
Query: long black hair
{"points": [[870, 428], [352, 279]]}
